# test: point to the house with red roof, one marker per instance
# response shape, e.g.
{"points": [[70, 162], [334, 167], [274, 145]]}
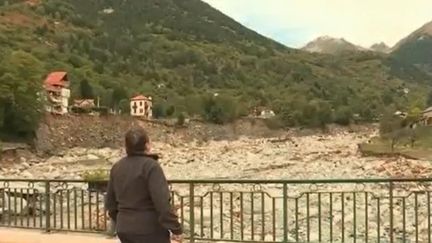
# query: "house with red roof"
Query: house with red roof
{"points": [[141, 106], [56, 86]]}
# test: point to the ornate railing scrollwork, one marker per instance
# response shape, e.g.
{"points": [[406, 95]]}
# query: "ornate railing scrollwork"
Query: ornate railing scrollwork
{"points": [[216, 187]]}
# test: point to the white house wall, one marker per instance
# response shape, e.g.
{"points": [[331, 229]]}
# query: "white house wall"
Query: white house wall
{"points": [[140, 106]]}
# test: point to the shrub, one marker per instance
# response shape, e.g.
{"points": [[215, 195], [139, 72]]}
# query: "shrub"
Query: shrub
{"points": [[274, 123], [170, 111], [103, 111], [96, 175], [80, 110]]}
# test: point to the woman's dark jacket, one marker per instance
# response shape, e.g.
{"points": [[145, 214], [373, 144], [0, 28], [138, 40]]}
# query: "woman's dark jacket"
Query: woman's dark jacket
{"points": [[138, 197]]}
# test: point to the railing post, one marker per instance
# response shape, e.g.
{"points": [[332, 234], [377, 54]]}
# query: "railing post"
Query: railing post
{"points": [[285, 212], [391, 210], [47, 206], [192, 212]]}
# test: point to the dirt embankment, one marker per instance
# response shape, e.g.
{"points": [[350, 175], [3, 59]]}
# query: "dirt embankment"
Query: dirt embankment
{"points": [[59, 133]]}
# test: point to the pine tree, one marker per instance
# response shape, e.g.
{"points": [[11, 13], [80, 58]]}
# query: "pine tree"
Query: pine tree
{"points": [[429, 99], [86, 90]]}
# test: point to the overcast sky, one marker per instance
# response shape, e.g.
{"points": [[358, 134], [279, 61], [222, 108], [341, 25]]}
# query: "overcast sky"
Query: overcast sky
{"points": [[363, 22]]}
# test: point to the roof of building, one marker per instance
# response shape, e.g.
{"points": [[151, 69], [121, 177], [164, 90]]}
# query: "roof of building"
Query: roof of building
{"points": [[56, 78], [429, 109], [84, 102], [141, 97]]}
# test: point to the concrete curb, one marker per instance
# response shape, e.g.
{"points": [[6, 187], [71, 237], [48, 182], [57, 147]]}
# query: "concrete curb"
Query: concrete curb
{"points": [[30, 236]]}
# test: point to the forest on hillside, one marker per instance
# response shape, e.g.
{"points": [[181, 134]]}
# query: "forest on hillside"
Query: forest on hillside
{"points": [[181, 53]]}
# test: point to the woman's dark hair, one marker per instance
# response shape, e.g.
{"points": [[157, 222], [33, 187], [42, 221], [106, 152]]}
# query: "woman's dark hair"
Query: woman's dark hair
{"points": [[135, 141]]}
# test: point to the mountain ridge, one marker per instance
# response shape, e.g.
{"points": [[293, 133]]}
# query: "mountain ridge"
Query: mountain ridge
{"points": [[425, 29], [416, 48], [331, 45]]}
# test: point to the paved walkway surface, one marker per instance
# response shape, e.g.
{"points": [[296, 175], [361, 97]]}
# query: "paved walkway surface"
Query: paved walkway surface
{"points": [[30, 236]]}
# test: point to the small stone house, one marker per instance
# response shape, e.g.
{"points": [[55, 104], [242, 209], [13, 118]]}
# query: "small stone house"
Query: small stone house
{"points": [[267, 114], [262, 112], [85, 103], [141, 106]]}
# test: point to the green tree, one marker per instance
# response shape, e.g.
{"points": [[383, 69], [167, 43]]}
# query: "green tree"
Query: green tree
{"points": [[291, 113], [343, 115], [323, 113], [42, 30], [76, 61], [86, 90], [429, 99], [124, 106], [392, 128], [118, 94], [414, 115], [289, 117], [170, 110], [193, 104], [159, 110], [390, 123], [220, 109], [402, 133], [20, 93]]}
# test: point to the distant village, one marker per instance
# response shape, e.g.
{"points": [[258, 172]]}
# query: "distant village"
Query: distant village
{"points": [[56, 86], [58, 94]]}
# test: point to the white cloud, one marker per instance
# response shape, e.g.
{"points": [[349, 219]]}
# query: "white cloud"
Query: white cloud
{"points": [[362, 22]]}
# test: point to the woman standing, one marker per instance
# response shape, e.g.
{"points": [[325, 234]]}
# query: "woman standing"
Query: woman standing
{"points": [[138, 197]]}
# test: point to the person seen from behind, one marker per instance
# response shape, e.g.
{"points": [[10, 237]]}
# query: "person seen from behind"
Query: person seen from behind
{"points": [[138, 196]]}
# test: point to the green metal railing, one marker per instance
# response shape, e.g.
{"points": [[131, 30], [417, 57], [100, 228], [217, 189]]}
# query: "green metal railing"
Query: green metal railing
{"points": [[366, 210]]}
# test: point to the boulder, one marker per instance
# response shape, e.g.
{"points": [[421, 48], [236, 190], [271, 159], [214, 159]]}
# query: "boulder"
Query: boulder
{"points": [[92, 157]]}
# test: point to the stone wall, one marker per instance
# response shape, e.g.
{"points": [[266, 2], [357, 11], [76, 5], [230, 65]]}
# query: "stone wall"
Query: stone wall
{"points": [[58, 133]]}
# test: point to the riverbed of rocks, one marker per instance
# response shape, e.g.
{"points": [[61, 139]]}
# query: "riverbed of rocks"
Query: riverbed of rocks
{"points": [[302, 157], [324, 156]]}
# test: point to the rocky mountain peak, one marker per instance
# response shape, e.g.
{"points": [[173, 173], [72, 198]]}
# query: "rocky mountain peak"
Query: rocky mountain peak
{"points": [[380, 47], [330, 45]]}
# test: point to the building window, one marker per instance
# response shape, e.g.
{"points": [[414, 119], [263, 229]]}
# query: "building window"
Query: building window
{"points": [[141, 103], [134, 107], [141, 111]]}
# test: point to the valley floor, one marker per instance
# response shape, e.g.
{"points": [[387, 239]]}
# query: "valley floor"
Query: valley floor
{"points": [[333, 155], [325, 156]]}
